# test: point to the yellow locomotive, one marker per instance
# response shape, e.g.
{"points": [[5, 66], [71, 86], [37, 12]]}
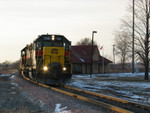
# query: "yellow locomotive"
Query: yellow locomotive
{"points": [[47, 59]]}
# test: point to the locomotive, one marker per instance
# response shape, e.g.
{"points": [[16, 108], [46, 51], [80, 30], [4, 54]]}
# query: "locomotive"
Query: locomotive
{"points": [[47, 59]]}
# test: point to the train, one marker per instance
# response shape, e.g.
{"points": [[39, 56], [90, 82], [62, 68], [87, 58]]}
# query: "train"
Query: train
{"points": [[47, 60]]}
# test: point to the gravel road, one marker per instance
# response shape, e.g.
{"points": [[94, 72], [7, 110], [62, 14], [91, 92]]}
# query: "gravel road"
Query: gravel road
{"points": [[18, 95]]}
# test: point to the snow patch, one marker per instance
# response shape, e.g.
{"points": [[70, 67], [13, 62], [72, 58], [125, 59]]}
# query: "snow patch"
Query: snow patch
{"points": [[15, 84], [82, 60], [5, 75], [122, 74], [12, 77], [41, 104], [58, 109], [131, 90]]}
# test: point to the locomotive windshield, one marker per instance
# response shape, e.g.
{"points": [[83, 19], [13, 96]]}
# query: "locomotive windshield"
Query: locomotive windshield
{"points": [[52, 44]]}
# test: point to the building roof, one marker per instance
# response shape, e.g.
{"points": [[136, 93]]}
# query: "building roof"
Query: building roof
{"points": [[82, 54]]}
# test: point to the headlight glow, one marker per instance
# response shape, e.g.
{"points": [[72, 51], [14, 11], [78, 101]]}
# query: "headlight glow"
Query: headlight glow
{"points": [[53, 37], [45, 68], [64, 68]]}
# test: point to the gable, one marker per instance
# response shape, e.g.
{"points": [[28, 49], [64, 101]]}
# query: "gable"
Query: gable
{"points": [[96, 55]]}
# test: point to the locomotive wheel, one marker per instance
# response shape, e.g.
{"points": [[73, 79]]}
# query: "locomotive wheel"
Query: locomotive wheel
{"points": [[34, 74]]}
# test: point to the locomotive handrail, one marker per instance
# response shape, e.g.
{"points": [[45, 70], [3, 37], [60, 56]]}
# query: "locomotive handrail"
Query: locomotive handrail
{"points": [[67, 57]]}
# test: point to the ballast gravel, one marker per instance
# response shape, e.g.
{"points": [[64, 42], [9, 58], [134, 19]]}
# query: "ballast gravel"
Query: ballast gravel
{"points": [[18, 95]]}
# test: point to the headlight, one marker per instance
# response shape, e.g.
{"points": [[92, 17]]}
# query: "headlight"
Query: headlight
{"points": [[53, 37], [64, 68], [45, 68]]}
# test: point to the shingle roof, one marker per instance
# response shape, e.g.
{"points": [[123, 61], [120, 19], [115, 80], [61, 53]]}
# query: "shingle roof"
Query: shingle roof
{"points": [[82, 54]]}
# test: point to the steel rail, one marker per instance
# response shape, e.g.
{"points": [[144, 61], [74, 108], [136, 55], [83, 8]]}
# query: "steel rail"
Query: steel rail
{"points": [[111, 98], [102, 104]]}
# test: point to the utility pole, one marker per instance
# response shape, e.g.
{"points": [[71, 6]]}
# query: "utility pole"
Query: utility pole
{"points": [[114, 53], [103, 62], [133, 41]]}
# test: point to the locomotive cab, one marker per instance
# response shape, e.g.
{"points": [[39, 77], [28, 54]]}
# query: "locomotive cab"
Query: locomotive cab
{"points": [[48, 59]]}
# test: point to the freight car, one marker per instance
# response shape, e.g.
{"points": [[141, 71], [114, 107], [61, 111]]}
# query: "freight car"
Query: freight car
{"points": [[47, 59]]}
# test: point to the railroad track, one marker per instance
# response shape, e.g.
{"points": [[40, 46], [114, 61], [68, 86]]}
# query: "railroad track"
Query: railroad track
{"points": [[108, 102], [117, 104]]}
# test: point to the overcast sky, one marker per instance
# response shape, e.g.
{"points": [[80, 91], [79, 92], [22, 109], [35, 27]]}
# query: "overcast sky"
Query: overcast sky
{"points": [[21, 21]]}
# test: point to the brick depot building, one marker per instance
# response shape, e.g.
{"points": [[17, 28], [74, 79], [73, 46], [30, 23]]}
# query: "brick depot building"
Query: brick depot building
{"points": [[81, 60]]}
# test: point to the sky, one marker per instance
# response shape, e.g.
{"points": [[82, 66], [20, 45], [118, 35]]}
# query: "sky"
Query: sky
{"points": [[21, 21]]}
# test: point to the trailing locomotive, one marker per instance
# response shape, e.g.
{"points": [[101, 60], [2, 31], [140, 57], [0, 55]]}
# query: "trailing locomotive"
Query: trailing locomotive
{"points": [[47, 59]]}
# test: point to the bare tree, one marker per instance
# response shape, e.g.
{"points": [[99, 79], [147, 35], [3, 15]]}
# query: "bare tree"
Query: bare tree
{"points": [[5, 65], [122, 49], [85, 41], [142, 30], [15, 64]]}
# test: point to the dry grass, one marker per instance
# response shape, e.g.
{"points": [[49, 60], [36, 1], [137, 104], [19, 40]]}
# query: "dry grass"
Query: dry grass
{"points": [[9, 71], [23, 110]]}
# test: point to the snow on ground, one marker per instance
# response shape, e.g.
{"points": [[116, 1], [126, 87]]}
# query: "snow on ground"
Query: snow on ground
{"points": [[123, 85], [3, 75], [58, 109]]}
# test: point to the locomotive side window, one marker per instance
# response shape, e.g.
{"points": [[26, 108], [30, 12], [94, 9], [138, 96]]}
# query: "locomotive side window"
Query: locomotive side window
{"points": [[22, 53], [66, 45], [34, 45], [39, 45]]}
